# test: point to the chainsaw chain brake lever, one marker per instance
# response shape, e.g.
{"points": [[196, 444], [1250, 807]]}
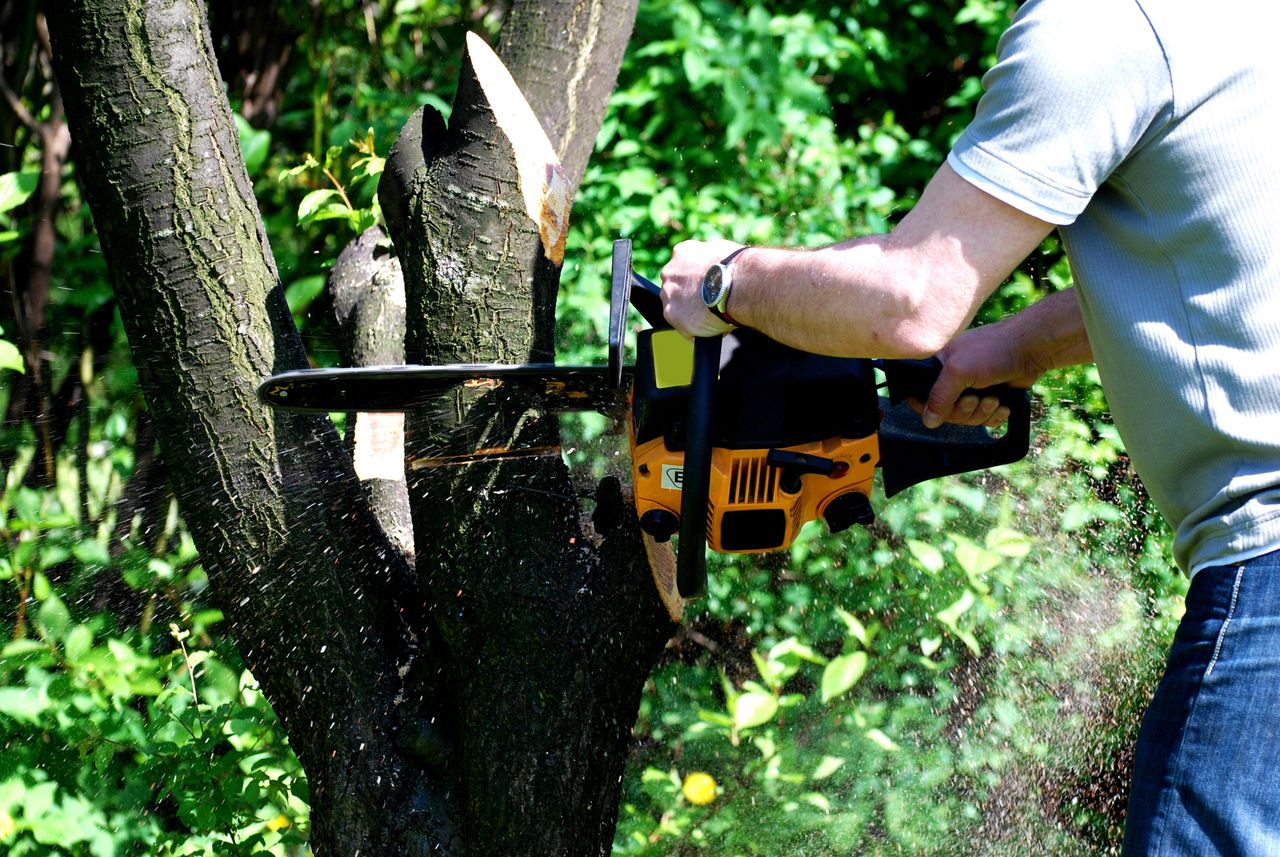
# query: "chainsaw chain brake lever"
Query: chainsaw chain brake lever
{"points": [[911, 453], [627, 288]]}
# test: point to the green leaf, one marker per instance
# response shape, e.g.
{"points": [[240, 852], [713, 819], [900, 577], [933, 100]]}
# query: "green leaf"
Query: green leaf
{"points": [[323, 204], [929, 557], [24, 704], [949, 615], [754, 709], [92, 552], [882, 740], [255, 145], [792, 651], [828, 766], [976, 561], [856, 629], [842, 673], [11, 357], [1075, 517], [102, 757], [15, 188], [1008, 543], [54, 618], [302, 291], [79, 643]]}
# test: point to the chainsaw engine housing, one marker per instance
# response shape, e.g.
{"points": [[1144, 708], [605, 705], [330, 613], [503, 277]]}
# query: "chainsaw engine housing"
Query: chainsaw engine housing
{"points": [[793, 439]]}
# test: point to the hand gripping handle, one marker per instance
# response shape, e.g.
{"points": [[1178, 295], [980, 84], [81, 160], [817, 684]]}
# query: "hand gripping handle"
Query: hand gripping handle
{"points": [[911, 453]]}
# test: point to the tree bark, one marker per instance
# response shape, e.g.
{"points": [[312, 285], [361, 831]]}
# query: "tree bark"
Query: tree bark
{"points": [[366, 291], [297, 564]]}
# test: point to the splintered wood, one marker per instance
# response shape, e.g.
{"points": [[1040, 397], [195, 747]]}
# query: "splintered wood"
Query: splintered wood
{"points": [[546, 191]]}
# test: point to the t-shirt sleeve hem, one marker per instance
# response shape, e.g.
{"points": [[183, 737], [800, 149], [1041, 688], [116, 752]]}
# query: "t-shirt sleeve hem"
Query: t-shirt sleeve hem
{"points": [[1013, 186]]}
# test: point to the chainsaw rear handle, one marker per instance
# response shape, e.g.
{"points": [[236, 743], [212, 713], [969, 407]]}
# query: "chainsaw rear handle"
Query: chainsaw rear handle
{"points": [[911, 453], [691, 561]]}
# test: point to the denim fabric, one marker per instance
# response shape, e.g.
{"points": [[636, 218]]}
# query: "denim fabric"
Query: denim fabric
{"points": [[1206, 776]]}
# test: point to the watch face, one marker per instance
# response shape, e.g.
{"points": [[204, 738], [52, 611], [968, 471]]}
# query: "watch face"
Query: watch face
{"points": [[713, 285]]}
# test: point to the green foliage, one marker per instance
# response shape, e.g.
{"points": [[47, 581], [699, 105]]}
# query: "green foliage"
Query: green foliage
{"points": [[126, 738]]}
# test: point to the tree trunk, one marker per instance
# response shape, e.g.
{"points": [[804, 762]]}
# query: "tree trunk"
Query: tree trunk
{"points": [[495, 720], [551, 629], [366, 291], [297, 564]]}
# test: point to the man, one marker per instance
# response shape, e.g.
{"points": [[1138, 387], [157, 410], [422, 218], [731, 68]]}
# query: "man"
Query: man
{"points": [[1146, 132]]}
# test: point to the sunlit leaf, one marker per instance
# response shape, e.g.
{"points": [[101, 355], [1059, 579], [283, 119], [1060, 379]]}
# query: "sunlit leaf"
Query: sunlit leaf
{"points": [[976, 561], [842, 673], [11, 357], [255, 145], [882, 740], [956, 609], [24, 704], [15, 188], [856, 629], [828, 766], [929, 557], [322, 204], [754, 709], [1008, 543]]}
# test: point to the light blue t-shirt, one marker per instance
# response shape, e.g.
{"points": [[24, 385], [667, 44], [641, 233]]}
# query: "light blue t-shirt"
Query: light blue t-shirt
{"points": [[1149, 130]]}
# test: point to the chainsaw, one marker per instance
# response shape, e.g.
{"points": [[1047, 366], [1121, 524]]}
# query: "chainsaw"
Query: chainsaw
{"points": [[737, 441]]}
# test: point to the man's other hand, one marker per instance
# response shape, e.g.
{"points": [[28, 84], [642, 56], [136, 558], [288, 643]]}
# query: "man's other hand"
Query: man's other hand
{"points": [[976, 359], [682, 287]]}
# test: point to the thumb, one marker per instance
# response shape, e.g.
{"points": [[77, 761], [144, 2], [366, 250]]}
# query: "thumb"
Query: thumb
{"points": [[942, 397]]}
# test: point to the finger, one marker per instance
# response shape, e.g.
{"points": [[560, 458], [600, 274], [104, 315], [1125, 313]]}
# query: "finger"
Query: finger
{"points": [[999, 418], [964, 409], [986, 409], [942, 398]]}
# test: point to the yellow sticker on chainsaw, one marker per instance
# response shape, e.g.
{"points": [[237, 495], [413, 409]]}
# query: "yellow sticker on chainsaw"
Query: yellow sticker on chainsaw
{"points": [[672, 359]]}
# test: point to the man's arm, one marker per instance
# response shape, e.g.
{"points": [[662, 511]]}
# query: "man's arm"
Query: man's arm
{"points": [[905, 294]]}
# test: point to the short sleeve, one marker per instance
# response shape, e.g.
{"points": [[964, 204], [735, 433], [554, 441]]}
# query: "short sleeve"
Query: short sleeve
{"points": [[1076, 87]]}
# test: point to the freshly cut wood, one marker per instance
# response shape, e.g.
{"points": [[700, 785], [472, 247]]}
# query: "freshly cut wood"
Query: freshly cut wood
{"points": [[546, 191]]}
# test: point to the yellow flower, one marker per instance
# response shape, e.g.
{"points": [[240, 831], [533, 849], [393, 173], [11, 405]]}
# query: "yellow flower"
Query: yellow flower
{"points": [[7, 825], [699, 788], [278, 823]]}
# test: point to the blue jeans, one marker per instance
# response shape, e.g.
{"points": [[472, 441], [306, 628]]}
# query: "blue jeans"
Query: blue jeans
{"points": [[1206, 778]]}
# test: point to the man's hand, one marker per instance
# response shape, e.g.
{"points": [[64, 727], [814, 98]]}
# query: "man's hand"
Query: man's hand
{"points": [[682, 287], [978, 358], [1016, 351]]}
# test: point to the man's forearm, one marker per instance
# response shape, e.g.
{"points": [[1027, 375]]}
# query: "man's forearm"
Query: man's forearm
{"points": [[1050, 334], [905, 294], [849, 299]]}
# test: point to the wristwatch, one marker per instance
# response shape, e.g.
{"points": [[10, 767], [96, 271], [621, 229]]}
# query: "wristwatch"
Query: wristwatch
{"points": [[716, 284]]}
